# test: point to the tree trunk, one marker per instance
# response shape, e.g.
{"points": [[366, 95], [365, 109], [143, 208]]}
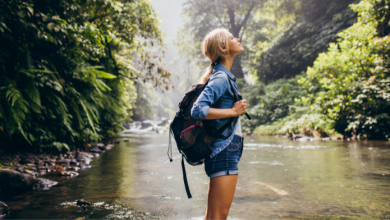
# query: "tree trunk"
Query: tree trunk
{"points": [[235, 30], [237, 67]]}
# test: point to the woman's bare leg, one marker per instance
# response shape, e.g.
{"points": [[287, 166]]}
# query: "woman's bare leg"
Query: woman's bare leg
{"points": [[220, 196]]}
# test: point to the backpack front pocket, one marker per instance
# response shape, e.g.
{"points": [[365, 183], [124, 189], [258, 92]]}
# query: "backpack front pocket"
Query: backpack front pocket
{"points": [[195, 143]]}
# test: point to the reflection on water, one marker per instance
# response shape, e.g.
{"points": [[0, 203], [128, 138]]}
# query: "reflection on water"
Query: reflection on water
{"points": [[278, 179]]}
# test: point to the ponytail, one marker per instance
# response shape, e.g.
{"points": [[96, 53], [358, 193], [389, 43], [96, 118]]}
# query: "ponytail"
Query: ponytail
{"points": [[207, 73], [209, 70]]}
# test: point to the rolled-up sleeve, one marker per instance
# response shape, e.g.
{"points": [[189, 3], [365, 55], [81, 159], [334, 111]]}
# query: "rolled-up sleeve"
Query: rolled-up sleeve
{"points": [[214, 90]]}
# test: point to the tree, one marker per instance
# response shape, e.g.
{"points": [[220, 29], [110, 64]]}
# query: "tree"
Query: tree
{"points": [[317, 24], [205, 15], [351, 81], [68, 69]]}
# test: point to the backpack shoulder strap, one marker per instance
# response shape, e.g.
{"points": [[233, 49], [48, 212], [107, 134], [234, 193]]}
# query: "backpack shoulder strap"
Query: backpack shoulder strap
{"points": [[226, 125]]}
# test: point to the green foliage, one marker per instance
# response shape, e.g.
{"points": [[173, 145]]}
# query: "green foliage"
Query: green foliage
{"points": [[293, 45], [351, 82], [267, 103], [314, 124], [67, 69]]}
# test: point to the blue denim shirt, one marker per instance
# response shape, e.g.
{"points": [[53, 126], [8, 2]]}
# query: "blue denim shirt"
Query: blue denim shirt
{"points": [[217, 94]]}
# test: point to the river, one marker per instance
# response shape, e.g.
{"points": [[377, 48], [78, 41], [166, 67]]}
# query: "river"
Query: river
{"points": [[278, 179]]}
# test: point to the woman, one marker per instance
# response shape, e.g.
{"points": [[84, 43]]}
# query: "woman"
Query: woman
{"points": [[217, 104]]}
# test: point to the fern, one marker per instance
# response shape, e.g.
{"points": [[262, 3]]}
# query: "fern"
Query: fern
{"points": [[88, 116]]}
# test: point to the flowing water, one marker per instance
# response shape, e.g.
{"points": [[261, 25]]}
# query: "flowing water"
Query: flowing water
{"points": [[278, 179]]}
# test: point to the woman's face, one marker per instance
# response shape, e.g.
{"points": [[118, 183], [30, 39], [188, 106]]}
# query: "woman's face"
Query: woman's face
{"points": [[235, 46]]}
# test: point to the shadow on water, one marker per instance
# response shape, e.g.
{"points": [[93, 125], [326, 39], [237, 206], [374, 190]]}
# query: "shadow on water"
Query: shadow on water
{"points": [[278, 179]]}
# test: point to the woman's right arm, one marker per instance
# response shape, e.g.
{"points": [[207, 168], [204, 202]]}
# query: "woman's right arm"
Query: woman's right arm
{"points": [[238, 109]]}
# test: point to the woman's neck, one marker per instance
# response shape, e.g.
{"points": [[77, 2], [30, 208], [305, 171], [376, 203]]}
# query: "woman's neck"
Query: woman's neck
{"points": [[227, 63]]}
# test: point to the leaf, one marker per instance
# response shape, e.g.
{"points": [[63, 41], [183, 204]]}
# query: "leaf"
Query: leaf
{"points": [[50, 26], [34, 95], [89, 118], [31, 10]]}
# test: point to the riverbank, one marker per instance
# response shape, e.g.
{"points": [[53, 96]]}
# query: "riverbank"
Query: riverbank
{"points": [[21, 172]]}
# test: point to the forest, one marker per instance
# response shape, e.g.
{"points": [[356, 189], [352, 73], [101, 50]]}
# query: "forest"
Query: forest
{"points": [[74, 71], [69, 70], [314, 68]]}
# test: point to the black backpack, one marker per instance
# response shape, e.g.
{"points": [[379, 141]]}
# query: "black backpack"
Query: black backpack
{"points": [[193, 138]]}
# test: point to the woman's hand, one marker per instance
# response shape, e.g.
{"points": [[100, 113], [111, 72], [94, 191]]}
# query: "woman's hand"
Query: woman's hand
{"points": [[239, 107]]}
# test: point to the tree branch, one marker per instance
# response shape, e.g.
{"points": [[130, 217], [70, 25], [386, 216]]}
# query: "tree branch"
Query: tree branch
{"points": [[243, 23]]}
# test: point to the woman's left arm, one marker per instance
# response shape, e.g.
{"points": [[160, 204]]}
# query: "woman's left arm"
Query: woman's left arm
{"points": [[215, 88]]}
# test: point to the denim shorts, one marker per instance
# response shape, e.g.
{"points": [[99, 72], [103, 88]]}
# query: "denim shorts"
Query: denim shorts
{"points": [[226, 161]]}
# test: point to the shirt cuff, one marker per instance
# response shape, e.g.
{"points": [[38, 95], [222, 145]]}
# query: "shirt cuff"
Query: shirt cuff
{"points": [[200, 112]]}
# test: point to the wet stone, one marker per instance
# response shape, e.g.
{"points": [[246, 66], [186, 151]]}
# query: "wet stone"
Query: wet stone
{"points": [[95, 149], [83, 166], [75, 168], [74, 163], [69, 173], [30, 165], [39, 162], [63, 161], [41, 168], [82, 202], [4, 210], [27, 160], [13, 180], [42, 184]]}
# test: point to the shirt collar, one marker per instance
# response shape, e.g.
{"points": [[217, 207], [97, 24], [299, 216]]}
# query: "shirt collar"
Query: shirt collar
{"points": [[221, 67]]}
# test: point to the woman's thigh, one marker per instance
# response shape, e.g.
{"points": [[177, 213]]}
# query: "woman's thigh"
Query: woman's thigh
{"points": [[220, 196]]}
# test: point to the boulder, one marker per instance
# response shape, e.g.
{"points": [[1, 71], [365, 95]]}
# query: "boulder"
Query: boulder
{"points": [[4, 210], [42, 184], [95, 149], [147, 124], [13, 180], [163, 122], [108, 147], [84, 157]]}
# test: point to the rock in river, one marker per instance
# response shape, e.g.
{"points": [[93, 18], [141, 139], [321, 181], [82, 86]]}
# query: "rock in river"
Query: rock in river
{"points": [[4, 210], [84, 157], [13, 180], [64, 162], [42, 184], [95, 149], [82, 202]]}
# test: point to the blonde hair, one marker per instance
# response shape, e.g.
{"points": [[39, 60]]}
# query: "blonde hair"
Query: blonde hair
{"points": [[215, 46]]}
